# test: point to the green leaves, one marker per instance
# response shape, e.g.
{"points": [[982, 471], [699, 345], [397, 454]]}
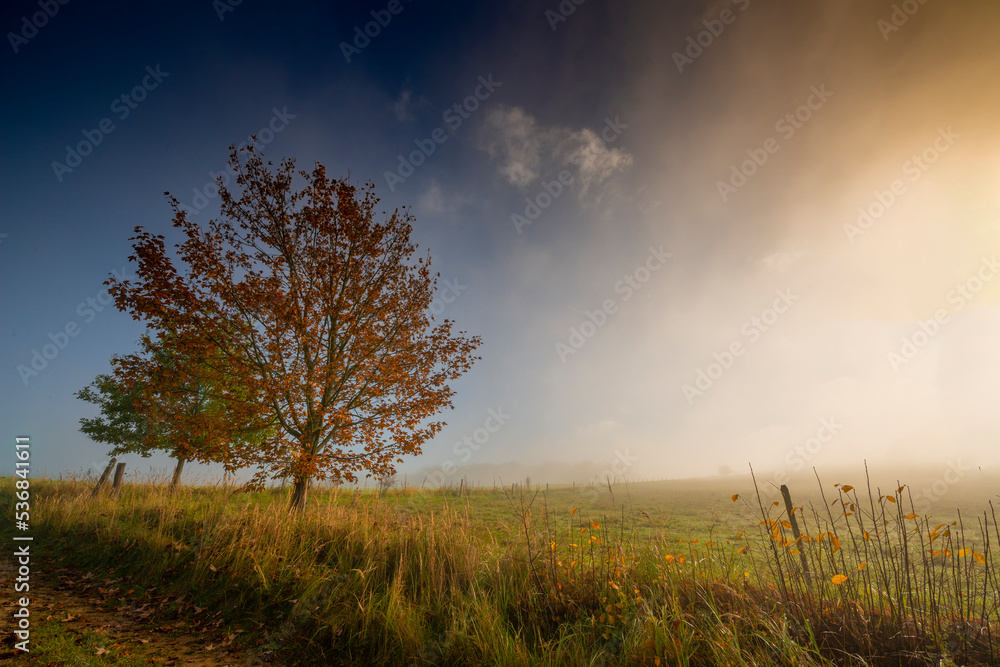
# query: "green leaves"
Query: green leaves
{"points": [[120, 424]]}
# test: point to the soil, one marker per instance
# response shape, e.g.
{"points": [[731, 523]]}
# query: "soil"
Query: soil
{"points": [[159, 629]]}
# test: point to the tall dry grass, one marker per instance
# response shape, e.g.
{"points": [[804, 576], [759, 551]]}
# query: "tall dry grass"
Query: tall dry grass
{"points": [[353, 580]]}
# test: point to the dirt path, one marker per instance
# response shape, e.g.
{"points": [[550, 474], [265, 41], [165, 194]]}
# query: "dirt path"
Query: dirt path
{"points": [[128, 621]]}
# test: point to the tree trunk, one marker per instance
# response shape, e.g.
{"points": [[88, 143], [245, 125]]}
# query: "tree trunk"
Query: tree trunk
{"points": [[299, 494], [177, 472], [309, 445]]}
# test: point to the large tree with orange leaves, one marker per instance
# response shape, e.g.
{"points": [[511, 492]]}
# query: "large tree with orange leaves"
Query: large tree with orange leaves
{"points": [[317, 309]]}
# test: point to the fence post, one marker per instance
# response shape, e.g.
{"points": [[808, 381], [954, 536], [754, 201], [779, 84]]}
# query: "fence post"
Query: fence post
{"points": [[790, 510], [104, 477], [119, 474]]}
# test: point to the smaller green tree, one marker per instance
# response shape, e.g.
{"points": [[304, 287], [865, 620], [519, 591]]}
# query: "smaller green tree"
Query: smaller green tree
{"points": [[162, 399], [119, 424]]}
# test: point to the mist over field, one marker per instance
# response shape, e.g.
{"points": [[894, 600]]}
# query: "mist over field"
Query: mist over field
{"points": [[693, 236]]}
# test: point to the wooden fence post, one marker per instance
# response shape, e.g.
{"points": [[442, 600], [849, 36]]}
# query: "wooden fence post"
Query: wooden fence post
{"points": [[104, 477], [790, 510], [119, 474]]}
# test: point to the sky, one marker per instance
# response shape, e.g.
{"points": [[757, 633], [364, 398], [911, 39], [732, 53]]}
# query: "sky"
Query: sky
{"points": [[693, 235]]}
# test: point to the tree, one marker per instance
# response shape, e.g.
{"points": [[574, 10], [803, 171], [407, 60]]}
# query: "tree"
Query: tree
{"points": [[120, 424], [318, 311], [148, 405], [183, 392], [387, 482]]}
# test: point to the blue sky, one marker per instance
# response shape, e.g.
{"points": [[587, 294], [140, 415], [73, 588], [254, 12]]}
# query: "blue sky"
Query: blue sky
{"points": [[763, 209]]}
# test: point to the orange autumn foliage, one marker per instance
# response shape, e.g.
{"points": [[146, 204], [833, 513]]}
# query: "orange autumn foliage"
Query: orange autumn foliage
{"points": [[315, 316], [183, 391]]}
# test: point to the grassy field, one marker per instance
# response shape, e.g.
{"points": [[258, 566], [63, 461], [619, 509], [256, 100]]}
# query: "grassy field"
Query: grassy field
{"points": [[700, 572]]}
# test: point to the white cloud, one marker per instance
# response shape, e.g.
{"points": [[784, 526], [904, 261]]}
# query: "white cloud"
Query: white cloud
{"points": [[594, 160], [403, 106], [598, 428], [516, 140], [781, 261], [437, 201], [432, 201], [528, 152]]}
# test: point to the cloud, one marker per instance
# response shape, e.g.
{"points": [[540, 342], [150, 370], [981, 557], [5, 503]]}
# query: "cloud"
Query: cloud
{"points": [[515, 138], [598, 428], [528, 152], [432, 201], [436, 201], [781, 261], [594, 160], [403, 106]]}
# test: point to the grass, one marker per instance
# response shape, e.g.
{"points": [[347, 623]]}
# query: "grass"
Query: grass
{"points": [[55, 645], [646, 574]]}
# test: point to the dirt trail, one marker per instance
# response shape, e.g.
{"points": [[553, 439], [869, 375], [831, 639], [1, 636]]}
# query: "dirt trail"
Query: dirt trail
{"points": [[160, 630]]}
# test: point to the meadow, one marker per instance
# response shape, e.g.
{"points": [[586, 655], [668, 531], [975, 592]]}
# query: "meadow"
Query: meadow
{"points": [[683, 572]]}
